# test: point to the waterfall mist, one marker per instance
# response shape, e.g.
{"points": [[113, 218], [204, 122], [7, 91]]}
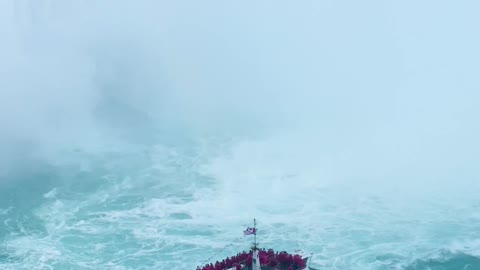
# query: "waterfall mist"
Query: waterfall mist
{"points": [[392, 90]]}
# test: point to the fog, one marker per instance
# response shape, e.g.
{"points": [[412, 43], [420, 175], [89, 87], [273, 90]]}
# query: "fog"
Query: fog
{"points": [[378, 90]]}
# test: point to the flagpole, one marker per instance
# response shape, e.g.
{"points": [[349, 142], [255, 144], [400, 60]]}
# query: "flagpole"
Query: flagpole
{"points": [[255, 233], [255, 259]]}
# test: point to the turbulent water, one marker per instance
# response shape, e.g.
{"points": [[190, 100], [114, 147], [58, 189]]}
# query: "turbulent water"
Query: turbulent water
{"points": [[174, 207], [149, 135]]}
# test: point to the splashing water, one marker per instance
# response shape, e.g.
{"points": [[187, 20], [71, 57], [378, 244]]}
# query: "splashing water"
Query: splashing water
{"points": [[170, 208]]}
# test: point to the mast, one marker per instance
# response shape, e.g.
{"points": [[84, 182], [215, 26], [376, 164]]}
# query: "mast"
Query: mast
{"points": [[254, 233], [255, 259]]}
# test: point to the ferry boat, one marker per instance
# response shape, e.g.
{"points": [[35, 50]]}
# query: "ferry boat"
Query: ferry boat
{"points": [[261, 259]]}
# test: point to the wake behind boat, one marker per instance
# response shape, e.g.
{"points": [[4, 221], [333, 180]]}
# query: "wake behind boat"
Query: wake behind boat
{"points": [[261, 259]]}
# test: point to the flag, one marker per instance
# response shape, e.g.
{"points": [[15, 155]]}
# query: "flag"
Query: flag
{"points": [[250, 231]]}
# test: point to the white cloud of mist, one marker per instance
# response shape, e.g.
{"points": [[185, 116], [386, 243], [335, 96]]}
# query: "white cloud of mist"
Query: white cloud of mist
{"points": [[386, 85], [63, 62]]}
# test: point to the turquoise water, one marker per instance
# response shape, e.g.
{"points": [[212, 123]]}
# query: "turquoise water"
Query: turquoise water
{"points": [[173, 207]]}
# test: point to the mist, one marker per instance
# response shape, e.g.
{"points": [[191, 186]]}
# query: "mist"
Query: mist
{"points": [[375, 90]]}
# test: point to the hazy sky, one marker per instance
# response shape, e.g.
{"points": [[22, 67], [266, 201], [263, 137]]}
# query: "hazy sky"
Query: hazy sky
{"points": [[391, 84]]}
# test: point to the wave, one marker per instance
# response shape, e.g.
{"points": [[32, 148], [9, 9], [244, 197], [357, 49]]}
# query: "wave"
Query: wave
{"points": [[447, 261]]}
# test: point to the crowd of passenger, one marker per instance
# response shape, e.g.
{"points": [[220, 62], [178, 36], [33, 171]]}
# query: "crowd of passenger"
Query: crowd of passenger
{"points": [[268, 259]]}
